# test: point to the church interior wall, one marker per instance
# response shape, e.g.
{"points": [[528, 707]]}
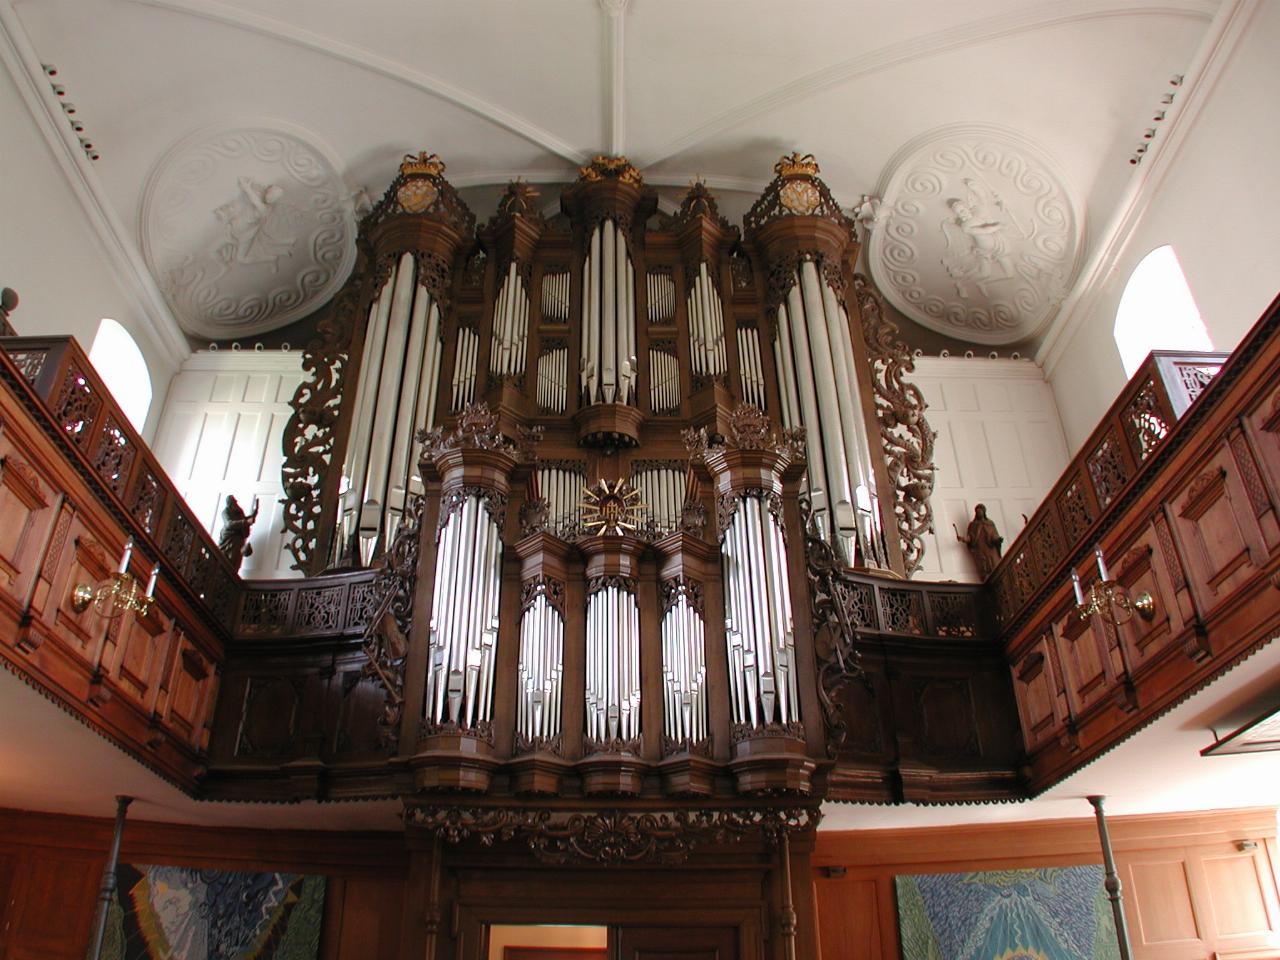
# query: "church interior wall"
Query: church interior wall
{"points": [[1213, 204], [1197, 886], [220, 434], [50, 254], [1000, 443]]}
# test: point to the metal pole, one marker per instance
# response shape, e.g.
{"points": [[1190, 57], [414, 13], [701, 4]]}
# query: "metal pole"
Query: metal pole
{"points": [[108, 881], [1112, 882], [788, 906]]}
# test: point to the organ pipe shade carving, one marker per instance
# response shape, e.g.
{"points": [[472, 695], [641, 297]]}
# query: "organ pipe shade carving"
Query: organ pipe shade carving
{"points": [[684, 667], [613, 662], [818, 388], [758, 624], [706, 325], [464, 616], [510, 326], [608, 372], [396, 397], [541, 668]]}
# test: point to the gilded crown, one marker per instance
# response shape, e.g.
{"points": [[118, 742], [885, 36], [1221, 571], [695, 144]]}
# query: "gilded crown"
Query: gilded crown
{"points": [[795, 165], [604, 167], [422, 165]]}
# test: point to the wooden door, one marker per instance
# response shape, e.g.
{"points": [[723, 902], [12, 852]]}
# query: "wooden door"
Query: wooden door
{"points": [[677, 943]]}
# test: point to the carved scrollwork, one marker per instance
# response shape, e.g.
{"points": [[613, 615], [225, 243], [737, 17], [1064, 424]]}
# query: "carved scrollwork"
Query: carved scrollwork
{"points": [[476, 428], [452, 500], [610, 837], [542, 585], [675, 587], [596, 584], [741, 732], [386, 638], [535, 516], [835, 606], [905, 435], [727, 506], [693, 519]]}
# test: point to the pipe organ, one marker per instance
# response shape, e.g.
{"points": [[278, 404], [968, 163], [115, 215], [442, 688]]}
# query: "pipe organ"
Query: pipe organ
{"points": [[819, 387], [758, 623], [614, 603], [541, 664]]}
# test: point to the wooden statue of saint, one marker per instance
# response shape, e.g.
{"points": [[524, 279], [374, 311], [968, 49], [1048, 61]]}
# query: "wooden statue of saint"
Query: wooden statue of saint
{"points": [[236, 524], [983, 541]]}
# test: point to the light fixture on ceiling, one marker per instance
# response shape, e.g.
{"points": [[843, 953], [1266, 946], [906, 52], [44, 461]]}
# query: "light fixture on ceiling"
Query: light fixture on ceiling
{"points": [[119, 593]]}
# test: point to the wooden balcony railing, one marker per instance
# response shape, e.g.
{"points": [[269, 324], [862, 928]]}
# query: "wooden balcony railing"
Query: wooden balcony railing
{"points": [[131, 484], [1095, 483]]}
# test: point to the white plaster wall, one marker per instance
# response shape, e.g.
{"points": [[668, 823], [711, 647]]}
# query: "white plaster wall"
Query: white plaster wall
{"points": [[1000, 443], [220, 434], [1215, 204], [49, 252]]}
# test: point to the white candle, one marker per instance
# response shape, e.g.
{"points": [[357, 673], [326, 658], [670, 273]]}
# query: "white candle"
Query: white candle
{"points": [[1075, 583], [151, 584], [124, 557], [1102, 565]]}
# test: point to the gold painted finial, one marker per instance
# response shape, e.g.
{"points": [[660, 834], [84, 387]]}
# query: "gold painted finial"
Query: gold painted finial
{"points": [[603, 167], [422, 165], [796, 165]]}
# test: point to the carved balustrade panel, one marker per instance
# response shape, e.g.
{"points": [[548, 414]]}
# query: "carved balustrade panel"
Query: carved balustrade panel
{"points": [[1192, 544]]}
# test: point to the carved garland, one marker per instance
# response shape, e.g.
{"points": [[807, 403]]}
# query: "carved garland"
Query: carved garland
{"points": [[610, 837], [676, 587], [727, 506], [452, 500], [386, 638], [833, 606], [542, 585], [904, 433]]}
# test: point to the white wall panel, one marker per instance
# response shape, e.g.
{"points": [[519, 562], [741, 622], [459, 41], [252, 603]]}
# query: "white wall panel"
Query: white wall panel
{"points": [[1000, 443], [220, 433]]}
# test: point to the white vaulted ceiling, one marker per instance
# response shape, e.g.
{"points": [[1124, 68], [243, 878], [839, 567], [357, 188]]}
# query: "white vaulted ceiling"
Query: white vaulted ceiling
{"points": [[334, 93]]}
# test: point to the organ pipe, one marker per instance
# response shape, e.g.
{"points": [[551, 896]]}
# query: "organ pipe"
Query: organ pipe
{"points": [[684, 670], [818, 384], [541, 668], [613, 664], [464, 617], [562, 489], [510, 326], [752, 371], [395, 398], [608, 371], [464, 368], [662, 492], [553, 380], [758, 622], [664, 382], [706, 325], [661, 290]]}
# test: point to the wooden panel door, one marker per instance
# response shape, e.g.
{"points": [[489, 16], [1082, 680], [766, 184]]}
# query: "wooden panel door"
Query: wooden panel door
{"points": [[678, 943]]}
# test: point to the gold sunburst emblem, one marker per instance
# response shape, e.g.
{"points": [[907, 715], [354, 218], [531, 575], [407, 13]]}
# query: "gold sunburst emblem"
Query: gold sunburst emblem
{"points": [[611, 508]]}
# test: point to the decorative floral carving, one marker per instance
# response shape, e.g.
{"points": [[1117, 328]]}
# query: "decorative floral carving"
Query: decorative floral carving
{"points": [[420, 189], [451, 501], [542, 586], [837, 616], [604, 167], [476, 428], [596, 584], [795, 191], [905, 435], [386, 638], [535, 516], [676, 587], [700, 202], [741, 732], [610, 837]]}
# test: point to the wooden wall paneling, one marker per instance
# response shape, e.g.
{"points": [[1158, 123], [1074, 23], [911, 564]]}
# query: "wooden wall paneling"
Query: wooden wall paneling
{"points": [[1222, 543], [52, 918], [1190, 891]]}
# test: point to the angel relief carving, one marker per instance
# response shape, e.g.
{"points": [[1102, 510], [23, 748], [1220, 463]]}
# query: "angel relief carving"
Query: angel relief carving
{"points": [[261, 227]]}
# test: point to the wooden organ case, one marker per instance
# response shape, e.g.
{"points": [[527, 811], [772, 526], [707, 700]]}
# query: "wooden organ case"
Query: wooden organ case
{"points": [[593, 459]]}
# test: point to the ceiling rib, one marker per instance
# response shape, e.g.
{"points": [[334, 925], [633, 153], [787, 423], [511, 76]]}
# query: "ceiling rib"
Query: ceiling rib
{"points": [[357, 56], [1040, 17]]}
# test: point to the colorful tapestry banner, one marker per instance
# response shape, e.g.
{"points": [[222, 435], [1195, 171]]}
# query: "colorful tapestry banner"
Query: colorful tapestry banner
{"points": [[183, 913], [1055, 913]]}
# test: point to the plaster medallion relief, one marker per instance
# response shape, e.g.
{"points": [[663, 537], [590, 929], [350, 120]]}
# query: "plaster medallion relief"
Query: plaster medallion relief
{"points": [[976, 235], [246, 230]]}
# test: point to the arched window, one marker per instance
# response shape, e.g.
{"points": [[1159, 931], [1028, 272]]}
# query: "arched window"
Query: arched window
{"points": [[1157, 311], [121, 366]]}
